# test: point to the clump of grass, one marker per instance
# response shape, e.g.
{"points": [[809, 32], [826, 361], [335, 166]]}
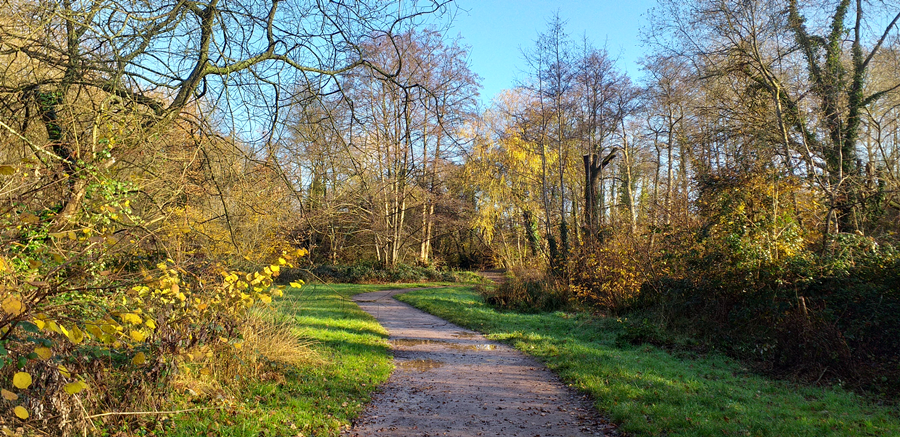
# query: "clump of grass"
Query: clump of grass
{"points": [[268, 340], [268, 350], [650, 391]]}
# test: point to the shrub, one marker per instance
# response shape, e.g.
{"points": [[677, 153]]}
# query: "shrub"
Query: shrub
{"points": [[117, 351], [610, 276], [643, 332], [529, 291]]}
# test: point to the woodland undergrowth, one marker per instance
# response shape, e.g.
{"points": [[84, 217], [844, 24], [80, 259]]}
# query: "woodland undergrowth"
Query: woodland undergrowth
{"points": [[747, 279]]}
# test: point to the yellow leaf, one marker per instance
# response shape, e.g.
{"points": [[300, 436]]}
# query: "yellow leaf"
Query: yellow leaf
{"points": [[132, 318], [75, 387], [139, 359], [8, 395], [265, 298], [7, 170], [29, 218], [75, 335], [138, 336], [150, 324], [94, 330], [21, 412], [21, 380], [51, 326], [43, 353], [297, 284], [111, 327], [64, 371], [12, 306], [276, 269]]}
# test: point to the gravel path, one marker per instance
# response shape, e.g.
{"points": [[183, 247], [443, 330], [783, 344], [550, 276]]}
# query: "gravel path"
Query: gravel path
{"points": [[450, 381]]}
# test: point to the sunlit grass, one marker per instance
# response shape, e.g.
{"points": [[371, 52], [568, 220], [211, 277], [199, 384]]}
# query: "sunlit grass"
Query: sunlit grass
{"points": [[319, 397], [649, 391]]}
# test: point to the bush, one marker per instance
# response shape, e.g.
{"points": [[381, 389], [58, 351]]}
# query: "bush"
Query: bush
{"points": [[609, 277], [68, 356], [820, 317], [644, 332], [529, 291]]}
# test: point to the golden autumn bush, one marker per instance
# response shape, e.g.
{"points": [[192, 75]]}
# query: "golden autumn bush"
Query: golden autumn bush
{"points": [[101, 304], [70, 354], [609, 277]]}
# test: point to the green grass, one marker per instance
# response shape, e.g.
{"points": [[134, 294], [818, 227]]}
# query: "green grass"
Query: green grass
{"points": [[318, 399], [649, 391]]}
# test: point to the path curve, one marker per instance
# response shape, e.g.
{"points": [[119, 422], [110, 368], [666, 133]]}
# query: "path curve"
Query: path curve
{"points": [[450, 381]]}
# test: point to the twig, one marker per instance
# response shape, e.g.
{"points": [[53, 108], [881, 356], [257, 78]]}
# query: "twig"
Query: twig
{"points": [[31, 145], [140, 413], [84, 429], [820, 376]]}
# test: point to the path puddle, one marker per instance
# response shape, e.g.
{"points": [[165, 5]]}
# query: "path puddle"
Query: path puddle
{"points": [[420, 365], [463, 334], [472, 347], [410, 342]]}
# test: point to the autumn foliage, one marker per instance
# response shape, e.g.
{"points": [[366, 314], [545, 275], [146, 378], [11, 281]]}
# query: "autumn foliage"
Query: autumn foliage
{"points": [[744, 195]]}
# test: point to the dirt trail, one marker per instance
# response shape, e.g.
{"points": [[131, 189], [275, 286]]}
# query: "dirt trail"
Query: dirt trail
{"points": [[451, 381], [495, 275]]}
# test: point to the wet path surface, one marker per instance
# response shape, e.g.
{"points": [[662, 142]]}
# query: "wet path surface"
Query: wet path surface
{"points": [[451, 381]]}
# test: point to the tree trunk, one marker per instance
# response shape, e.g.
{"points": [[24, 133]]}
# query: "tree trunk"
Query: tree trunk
{"points": [[629, 181], [593, 168]]}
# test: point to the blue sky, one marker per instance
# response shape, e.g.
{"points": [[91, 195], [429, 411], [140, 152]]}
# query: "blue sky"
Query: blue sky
{"points": [[497, 30]]}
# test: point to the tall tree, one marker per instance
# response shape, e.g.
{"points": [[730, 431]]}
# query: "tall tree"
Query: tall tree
{"points": [[839, 84]]}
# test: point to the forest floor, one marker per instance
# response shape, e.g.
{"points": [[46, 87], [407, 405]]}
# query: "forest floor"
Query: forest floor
{"points": [[452, 381]]}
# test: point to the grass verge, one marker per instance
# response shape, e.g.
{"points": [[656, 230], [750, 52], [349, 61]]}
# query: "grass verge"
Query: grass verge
{"points": [[350, 357], [650, 391]]}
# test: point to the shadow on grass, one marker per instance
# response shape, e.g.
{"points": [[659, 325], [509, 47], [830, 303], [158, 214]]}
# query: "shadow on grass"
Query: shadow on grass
{"points": [[650, 391]]}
